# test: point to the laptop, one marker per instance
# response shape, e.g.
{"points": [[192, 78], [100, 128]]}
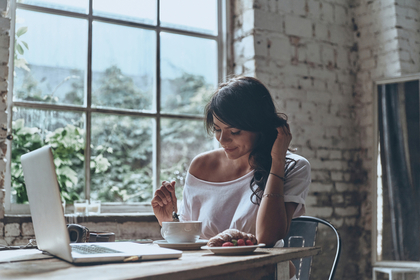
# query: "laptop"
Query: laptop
{"points": [[50, 226]]}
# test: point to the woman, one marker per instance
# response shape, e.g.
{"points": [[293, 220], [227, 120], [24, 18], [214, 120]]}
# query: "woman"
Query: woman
{"points": [[253, 183]]}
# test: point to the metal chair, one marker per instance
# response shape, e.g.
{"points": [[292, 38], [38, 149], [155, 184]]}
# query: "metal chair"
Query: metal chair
{"points": [[302, 233]]}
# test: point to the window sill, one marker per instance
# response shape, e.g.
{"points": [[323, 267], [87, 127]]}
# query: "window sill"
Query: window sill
{"points": [[106, 208], [99, 218]]}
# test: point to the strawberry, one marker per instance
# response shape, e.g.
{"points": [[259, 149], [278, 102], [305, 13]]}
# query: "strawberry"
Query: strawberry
{"points": [[235, 243], [249, 242], [241, 242], [227, 244]]}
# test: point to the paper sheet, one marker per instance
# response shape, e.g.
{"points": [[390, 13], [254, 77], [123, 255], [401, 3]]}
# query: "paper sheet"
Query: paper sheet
{"points": [[21, 255]]}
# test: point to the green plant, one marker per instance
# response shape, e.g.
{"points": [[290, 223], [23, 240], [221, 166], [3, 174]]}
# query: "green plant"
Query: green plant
{"points": [[68, 146], [25, 139], [20, 62], [126, 143]]}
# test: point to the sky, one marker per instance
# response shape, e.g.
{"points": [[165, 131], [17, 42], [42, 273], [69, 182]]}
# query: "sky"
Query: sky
{"points": [[58, 41]]}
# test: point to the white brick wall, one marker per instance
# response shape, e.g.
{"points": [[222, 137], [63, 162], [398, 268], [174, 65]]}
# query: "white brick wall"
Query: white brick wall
{"points": [[323, 77], [407, 20], [28, 229], [128, 230], [381, 55], [19, 233], [12, 230], [298, 26]]}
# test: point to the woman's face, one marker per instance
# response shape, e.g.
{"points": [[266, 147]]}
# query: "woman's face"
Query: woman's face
{"points": [[236, 143]]}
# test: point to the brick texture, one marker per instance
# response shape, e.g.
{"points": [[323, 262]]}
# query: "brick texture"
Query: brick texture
{"points": [[12, 230], [320, 60]]}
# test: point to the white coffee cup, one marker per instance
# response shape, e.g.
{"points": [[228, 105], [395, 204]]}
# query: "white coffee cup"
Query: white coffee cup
{"points": [[181, 232]]}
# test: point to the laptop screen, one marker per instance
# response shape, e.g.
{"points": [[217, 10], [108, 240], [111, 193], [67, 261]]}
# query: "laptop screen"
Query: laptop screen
{"points": [[45, 203]]}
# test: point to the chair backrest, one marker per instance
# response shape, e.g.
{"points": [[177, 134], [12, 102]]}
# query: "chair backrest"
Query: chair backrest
{"points": [[302, 233]]}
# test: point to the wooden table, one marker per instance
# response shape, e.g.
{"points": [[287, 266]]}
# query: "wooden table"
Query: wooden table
{"points": [[267, 263]]}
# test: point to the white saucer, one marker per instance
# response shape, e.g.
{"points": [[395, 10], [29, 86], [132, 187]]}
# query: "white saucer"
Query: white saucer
{"points": [[182, 246], [233, 250]]}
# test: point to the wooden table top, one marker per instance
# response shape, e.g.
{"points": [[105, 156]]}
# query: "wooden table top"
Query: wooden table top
{"points": [[192, 265]]}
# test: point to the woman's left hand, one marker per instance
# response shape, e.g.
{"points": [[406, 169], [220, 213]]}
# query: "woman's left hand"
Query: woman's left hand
{"points": [[282, 142]]}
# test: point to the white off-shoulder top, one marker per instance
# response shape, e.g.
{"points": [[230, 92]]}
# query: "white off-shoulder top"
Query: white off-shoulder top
{"points": [[225, 205]]}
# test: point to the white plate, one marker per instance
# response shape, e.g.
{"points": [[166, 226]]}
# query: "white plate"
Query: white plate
{"points": [[233, 250], [182, 246]]}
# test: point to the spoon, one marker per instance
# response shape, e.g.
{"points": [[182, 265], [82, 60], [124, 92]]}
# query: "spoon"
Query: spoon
{"points": [[175, 217]]}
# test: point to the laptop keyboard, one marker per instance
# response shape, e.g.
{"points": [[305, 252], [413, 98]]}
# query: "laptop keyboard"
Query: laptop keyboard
{"points": [[92, 249]]}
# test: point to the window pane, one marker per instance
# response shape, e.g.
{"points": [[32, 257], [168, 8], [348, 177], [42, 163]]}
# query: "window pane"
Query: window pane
{"points": [[123, 67], [64, 131], [50, 58], [78, 6], [192, 15], [182, 140], [143, 11], [122, 153], [188, 73]]}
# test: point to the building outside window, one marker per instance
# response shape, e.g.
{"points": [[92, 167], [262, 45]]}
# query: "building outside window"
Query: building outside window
{"points": [[118, 91]]}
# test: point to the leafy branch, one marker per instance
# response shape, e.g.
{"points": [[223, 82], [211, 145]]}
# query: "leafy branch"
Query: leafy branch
{"points": [[20, 45]]}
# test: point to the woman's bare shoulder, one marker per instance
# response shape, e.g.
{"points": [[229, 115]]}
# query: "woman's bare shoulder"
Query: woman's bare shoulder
{"points": [[204, 162]]}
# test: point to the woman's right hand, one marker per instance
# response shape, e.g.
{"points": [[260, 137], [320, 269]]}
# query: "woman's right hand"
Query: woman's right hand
{"points": [[164, 202], [282, 142]]}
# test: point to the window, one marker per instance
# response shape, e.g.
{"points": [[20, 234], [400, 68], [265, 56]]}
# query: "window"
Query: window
{"points": [[118, 91], [397, 135]]}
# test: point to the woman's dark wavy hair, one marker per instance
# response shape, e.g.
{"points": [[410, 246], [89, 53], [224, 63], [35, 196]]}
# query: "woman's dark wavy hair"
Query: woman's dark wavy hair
{"points": [[246, 104]]}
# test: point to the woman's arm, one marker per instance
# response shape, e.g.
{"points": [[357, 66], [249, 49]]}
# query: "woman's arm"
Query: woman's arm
{"points": [[274, 215]]}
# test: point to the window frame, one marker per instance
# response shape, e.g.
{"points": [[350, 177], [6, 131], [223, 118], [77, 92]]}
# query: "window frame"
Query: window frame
{"points": [[376, 262], [223, 57]]}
